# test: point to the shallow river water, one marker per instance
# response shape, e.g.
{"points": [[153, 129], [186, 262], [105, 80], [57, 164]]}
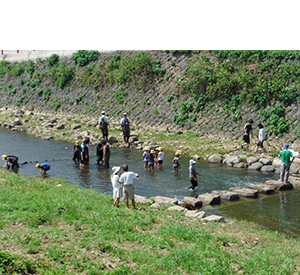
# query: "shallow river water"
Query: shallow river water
{"points": [[276, 212]]}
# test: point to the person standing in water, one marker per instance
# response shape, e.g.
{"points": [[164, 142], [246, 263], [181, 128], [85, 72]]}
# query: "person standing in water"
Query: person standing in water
{"points": [[176, 162], [146, 157], [160, 157], [106, 153], [76, 151], [103, 124], [193, 175], [125, 121]]}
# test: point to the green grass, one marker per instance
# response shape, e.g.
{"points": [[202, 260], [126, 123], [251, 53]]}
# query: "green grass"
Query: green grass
{"points": [[92, 237]]}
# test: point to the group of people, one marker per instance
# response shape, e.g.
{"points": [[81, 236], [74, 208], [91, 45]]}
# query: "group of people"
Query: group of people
{"points": [[153, 157]]}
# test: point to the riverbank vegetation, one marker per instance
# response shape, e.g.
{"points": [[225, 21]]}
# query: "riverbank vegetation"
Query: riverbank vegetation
{"points": [[51, 227]]}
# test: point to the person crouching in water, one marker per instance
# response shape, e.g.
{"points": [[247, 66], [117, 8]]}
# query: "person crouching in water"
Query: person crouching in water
{"points": [[117, 186], [106, 153], [176, 162], [151, 160], [44, 168], [76, 151], [146, 157], [193, 175], [11, 161]]}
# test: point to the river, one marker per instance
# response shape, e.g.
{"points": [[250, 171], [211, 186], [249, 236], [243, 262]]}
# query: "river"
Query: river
{"points": [[276, 212]]}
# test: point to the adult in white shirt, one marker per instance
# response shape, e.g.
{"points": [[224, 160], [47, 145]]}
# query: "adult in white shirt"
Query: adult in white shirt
{"points": [[117, 186], [127, 179]]}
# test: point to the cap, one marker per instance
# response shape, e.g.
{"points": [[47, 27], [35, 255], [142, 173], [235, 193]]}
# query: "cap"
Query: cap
{"points": [[125, 114], [146, 148], [103, 113], [286, 146], [177, 154], [192, 161], [38, 165], [4, 156], [76, 142], [152, 152]]}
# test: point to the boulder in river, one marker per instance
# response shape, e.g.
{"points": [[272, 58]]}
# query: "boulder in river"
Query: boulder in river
{"points": [[262, 188], [265, 161], [240, 165], [216, 158], [191, 203], [245, 192], [112, 140], [226, 195], [277, 185], [276, 162], [251, 160], [162, 199], [268, 168], [295, 168], [255, 166], [194, 213], [295, 181], [230, 161], [209, 198]]}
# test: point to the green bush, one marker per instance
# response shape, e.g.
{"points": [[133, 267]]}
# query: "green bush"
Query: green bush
{"points": [[63, 74], [39, 91], [12, 92], [169, 98], [83, 57], [53, 60], [30, 67], [47, 94]]}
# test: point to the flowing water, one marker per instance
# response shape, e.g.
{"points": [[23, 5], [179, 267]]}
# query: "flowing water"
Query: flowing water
{"points": [[276, 212]]}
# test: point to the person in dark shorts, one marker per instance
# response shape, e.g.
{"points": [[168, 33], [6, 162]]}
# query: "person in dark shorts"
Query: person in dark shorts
{"points": [[103, 124], [193, 175], [44, 167], [84, 154], [125, 121], [99, 153], [106, 153], [246, 135], [76, 151], [176, 162], [11, 161], [151, 160]]}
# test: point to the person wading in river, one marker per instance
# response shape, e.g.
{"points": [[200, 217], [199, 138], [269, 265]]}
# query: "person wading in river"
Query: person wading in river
{"points": [[103, 124], [193, 175], [11, 161], [125, 121]]}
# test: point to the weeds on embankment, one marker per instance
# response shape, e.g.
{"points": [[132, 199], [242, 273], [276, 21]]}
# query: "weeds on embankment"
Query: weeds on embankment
{"points": [[92, 237]]}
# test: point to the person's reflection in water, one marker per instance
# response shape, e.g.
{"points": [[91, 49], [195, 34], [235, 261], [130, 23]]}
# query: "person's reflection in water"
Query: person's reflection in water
{"points": [[85, 176], [284, 202]]}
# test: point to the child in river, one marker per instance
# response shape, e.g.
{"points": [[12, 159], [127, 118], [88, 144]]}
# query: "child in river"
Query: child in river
{"points": [[176, 162], [146, 157], [76, 151], [44, 167], [10, 161], [160, 157], [151, 160], [117, 186]]}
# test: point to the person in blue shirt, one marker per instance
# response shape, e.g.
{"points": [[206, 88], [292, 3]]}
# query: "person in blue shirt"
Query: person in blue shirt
{"points": [[44, 167]]}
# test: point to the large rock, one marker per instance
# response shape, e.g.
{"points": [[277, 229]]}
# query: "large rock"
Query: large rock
{"points": [[262, 188], [213, 218], [194, 213], [59, 127], [75, 126], [226, 195], [277, 162], [142, 199], [191, 203], [230, 161], [209, 198], [295, 181], [47, 137], [245, 192], [255, 166], [112, 140], [240, 165], [251, 160], [265, 161], [216, 158], [93, 122], [161, 199], [279, 185], [17, 121], [176, 207], [295, 145], [52, 121], [268, 168], [295, 168], [85, 133]]}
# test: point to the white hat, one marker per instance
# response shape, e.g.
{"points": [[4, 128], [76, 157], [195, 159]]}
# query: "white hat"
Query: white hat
{"points": [[102, 112], [125, 114], [116, 169], [192, 161]]}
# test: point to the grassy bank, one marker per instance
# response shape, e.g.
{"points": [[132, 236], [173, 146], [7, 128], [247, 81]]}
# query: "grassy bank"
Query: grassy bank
{"points": [[92, 237]]}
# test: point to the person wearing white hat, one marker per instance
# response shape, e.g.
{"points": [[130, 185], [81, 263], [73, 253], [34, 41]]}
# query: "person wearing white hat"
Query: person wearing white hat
{"points": [[103, 125], [193, 175], [117, 186], [125, 121]]}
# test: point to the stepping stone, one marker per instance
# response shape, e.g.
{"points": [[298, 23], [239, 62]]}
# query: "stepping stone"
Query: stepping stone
{"points": [[213, 218], [226, 195], [142, 199], [268, 168], [208, 198], [262, 188], [245, 192], [191, 203], [162, 199], [295, 181], [278, 185], [195, 213], [176, 207]]}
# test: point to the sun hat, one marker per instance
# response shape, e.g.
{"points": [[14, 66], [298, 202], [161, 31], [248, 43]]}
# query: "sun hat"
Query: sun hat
{"points": [[286, 146], [103, 113], [152, 152], [192, 161], [125, 114], [177, 154], [38, 165], [76, 142], [4, 156], [116, 169], [146, 148]]}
